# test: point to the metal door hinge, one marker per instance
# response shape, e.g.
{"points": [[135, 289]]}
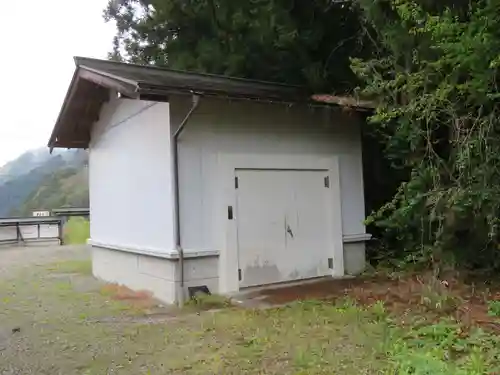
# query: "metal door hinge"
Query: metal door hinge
{"points": [[236, 182], [230, 212], [239, 274], [330, 263], [327, 181]]}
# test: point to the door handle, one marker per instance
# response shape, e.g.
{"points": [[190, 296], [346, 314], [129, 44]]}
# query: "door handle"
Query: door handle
{"points": [[289, 230]]}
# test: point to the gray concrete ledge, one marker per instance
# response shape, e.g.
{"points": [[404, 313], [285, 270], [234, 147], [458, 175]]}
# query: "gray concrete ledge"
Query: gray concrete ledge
{"points": [[361, 237], [158, 275], [157, 253]]}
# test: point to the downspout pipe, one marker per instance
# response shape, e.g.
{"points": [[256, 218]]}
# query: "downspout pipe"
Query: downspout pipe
{"points": [[175, 162]]}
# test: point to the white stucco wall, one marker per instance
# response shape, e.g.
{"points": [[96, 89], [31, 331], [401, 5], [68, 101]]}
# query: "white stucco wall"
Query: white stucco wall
{"points": [[277, 131], [130, 177]]}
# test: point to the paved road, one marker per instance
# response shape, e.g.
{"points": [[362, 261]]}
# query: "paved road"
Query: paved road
{"points": [[12, 258]]}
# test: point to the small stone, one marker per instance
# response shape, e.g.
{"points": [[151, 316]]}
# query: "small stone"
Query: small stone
{"points": [[16, 330]]}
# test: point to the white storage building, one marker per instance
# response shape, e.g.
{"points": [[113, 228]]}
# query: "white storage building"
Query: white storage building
{"points": [[202, 180]]}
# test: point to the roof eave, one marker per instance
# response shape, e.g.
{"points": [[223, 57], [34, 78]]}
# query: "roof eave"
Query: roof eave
{"points": [[345, 101], [110, 81], [172, 90], [118, 84], [69, 93]]}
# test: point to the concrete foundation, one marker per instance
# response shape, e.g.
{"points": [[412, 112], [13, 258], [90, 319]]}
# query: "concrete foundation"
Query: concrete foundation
{"points": [[161, 275], [155, 274], [354, 258]]}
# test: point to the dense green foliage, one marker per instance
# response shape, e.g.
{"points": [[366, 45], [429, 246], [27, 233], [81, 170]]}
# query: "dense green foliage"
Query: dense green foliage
{"points": [[432, 67], [300, 42], [436, 79]]}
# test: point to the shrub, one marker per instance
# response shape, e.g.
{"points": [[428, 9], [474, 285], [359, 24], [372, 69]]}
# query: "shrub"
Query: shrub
{"points": [[494, 308], [202, 301], [76, 231]]}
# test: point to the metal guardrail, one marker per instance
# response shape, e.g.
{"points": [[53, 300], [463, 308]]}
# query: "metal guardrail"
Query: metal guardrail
{"points": [[72, 211], [66, 213], [20, 223]]}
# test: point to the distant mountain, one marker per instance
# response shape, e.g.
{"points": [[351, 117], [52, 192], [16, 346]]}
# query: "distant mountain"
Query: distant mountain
{"points": [[67, 187], [26, 163], [39, 180]]}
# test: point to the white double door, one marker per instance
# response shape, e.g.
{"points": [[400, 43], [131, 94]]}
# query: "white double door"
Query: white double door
{"points": [[283, 225]]}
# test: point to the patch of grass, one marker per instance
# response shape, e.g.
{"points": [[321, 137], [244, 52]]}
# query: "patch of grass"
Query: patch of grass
{"points": [[83, 267], [444, 348], [76, 231], [436, 295], [66, 330], [59, 334], [494, 308], [379, 311], [202, 301]]}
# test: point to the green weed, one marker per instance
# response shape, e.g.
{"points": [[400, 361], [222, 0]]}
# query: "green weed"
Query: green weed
{"points": [[202, 301], [494, 308], [379, 311], [437, 296], [444, 348]]}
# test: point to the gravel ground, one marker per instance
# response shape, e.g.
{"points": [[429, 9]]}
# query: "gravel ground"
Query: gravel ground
{"points": [[12, 258], [56, 319]]}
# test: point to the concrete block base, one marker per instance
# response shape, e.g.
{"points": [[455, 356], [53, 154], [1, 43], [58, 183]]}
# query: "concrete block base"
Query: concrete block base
{"points": [[160, 276], [354, 258]]}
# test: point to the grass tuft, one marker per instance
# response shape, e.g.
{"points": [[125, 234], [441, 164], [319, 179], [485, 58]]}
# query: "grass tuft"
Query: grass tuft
{"points": [[436, 295], [494, 308], [202, 301]]}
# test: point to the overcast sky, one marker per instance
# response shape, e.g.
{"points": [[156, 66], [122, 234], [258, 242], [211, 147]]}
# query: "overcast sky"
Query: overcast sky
{"points": [[39, 40]]}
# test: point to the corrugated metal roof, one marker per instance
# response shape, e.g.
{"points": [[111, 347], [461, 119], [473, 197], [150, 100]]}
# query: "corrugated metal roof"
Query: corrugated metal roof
{"points": [[93, 80], [150, 78]]}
